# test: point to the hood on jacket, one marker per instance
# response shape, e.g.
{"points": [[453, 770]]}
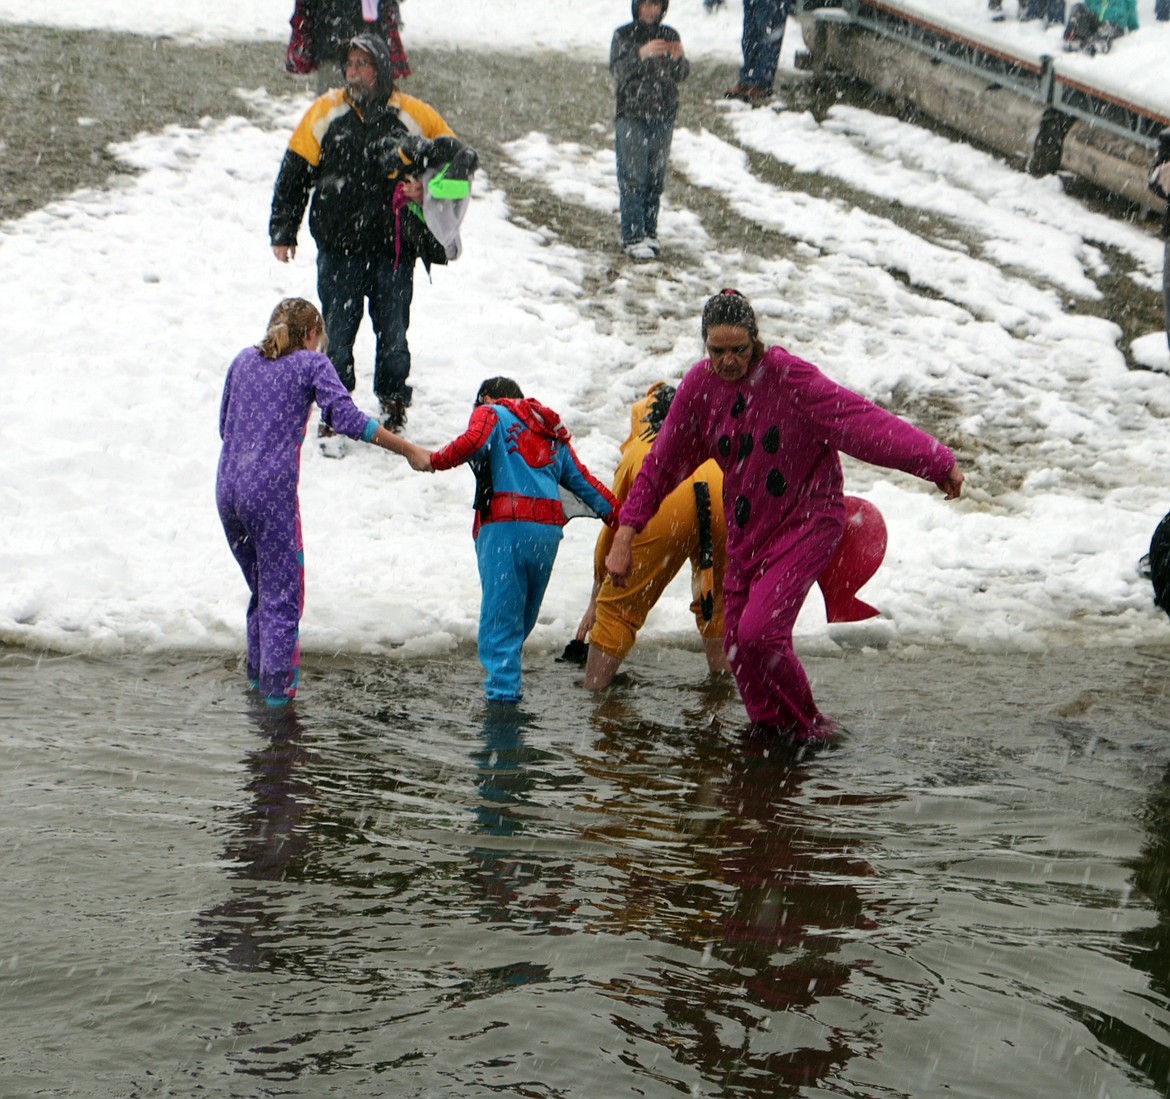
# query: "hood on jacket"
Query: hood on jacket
{"points": [[379, 50], [634, 9]]}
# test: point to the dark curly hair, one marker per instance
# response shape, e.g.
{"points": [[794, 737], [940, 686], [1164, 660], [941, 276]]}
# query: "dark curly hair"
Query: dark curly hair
{"points": [[730, 307]]}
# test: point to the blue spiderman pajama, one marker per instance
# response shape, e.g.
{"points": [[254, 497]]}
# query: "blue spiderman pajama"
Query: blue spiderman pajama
{"points": [[526, 472], [262, 418]]}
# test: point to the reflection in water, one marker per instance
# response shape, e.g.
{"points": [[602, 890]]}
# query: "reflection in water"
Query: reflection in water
{"points": [[744, 874], [1145, 1041], [525, 891], [269, 841]]}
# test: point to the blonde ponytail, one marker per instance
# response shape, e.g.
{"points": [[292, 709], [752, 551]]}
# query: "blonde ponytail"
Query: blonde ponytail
{"points": [[289, 326]]}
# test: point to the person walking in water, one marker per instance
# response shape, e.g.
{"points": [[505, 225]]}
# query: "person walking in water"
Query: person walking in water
{"points": [[775, 424], [267, 397], [529, 483]]}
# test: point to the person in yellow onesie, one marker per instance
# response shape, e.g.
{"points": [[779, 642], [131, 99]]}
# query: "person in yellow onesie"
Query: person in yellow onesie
{"points": [[688, 526]]}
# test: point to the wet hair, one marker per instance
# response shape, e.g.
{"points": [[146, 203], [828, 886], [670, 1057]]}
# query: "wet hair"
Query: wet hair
{"points": [[495, 388], [730, 307], [289, 326]]}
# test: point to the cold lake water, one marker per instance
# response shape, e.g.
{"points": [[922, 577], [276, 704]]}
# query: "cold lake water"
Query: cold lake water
{"points": [[391, 891]]}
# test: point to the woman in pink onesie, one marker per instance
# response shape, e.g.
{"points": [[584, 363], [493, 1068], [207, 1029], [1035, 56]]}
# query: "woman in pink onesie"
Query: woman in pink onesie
{"points": [[775, 424]]}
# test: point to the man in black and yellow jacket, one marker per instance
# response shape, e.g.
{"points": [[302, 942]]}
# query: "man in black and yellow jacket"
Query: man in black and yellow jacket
{"points": [[349, 151]]}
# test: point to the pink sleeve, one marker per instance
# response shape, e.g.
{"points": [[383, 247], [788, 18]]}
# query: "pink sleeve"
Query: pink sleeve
{"points": [[680, 448], [857, 427]]}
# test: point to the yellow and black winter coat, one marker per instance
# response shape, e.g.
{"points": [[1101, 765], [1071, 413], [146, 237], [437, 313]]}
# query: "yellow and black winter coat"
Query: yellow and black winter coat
{"points": [[347, 158]]}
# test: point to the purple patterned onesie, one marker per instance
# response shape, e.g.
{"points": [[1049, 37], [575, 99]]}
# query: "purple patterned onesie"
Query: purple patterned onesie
{"points": [[262, 420], [775, 433]]}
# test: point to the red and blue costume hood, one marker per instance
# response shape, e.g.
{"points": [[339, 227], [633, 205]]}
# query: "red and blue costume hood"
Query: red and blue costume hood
{"points": [[525, 466]]}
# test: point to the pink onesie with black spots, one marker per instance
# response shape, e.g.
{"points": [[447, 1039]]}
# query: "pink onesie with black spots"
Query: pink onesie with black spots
{"points": [[776, 434]]}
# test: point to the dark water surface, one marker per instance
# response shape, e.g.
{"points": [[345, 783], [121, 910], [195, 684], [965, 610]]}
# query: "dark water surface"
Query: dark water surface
{"points": [[393, 892]]}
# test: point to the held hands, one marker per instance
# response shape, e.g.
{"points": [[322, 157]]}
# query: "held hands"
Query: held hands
{"points": [[952, 483], [285, 253], [418, 457]]}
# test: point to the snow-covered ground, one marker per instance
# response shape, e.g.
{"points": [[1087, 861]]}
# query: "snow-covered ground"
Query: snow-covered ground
{"points": [[125, 306], [582, 27]]}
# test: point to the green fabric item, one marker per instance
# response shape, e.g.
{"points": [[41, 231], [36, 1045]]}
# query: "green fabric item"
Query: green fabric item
{"points": [[1121, 12], [441, 187]]}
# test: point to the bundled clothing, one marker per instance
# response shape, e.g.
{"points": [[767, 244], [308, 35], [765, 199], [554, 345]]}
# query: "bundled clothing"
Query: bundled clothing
{"points": [[368, 237], [776, 434], [529, 483], [344, 155], [319, 27], [647, 102], [262, 418], [645, 89], [688, 525], [1121, 13]]}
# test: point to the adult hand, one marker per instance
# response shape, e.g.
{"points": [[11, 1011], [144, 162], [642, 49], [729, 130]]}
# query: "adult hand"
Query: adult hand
{"points": [[413, 190], [656, 47], [284, 252], [952, 483], [620, 559], [674, 50], [1163, 177]]}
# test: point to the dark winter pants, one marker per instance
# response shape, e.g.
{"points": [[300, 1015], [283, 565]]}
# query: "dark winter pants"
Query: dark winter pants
{"points": [[642, 149], [345, 282], [763, 34]]}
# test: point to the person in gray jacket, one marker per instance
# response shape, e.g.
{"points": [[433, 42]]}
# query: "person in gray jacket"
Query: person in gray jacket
{"points": [[647, 63]]}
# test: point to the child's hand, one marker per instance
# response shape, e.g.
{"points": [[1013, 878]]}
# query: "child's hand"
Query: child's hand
{"points": [[419, 459]]}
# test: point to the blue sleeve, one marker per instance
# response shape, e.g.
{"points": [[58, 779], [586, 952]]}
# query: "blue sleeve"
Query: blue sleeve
{"points": [[582, 484]]}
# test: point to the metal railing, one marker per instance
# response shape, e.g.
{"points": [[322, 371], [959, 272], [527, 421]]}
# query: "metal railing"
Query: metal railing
{"points": [[1039, 80]]}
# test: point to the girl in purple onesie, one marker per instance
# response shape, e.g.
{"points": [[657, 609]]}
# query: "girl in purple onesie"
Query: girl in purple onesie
{"points": [[269, 392], [775, 424]]}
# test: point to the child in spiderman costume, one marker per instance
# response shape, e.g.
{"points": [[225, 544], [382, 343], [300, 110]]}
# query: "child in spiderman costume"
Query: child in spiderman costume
{"points": [[529, 483]]}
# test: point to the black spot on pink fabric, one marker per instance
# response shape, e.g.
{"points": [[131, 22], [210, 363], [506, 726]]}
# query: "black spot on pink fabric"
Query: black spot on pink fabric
{"points": [[743, 511]]}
